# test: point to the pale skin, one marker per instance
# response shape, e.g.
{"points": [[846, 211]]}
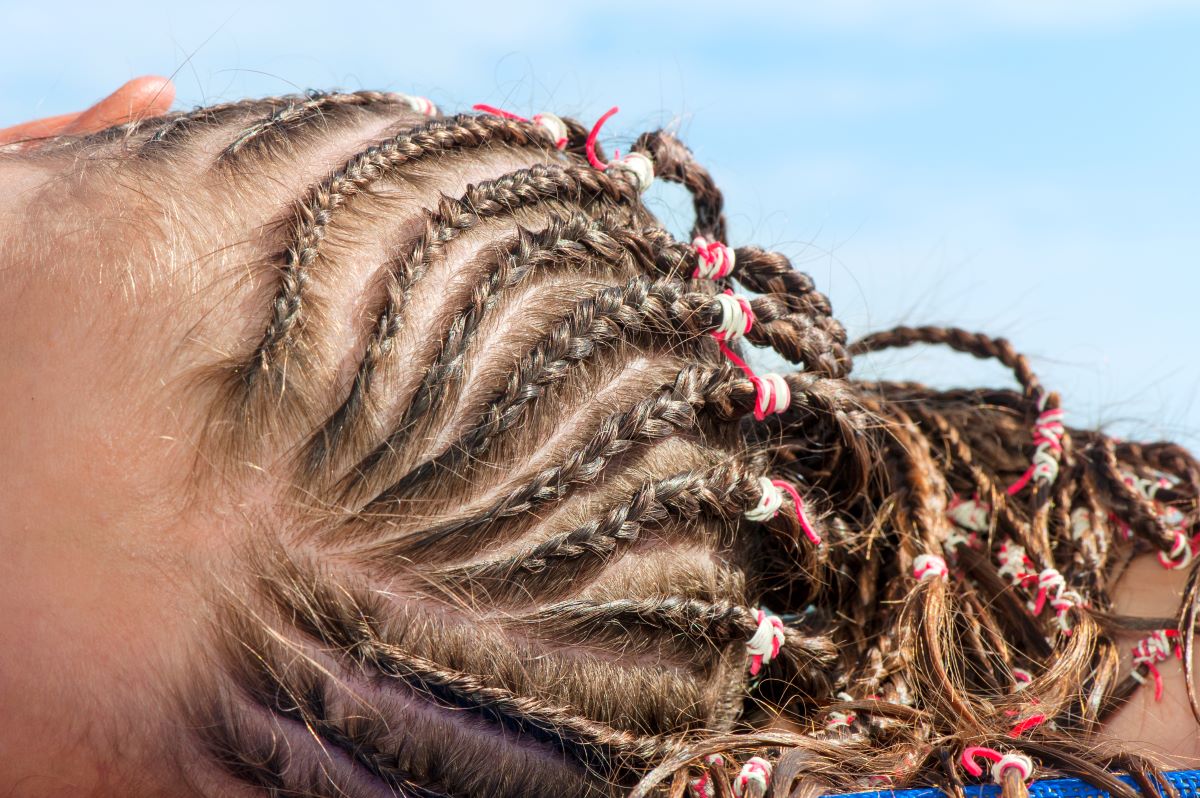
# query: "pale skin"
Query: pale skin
{"points": [[97, 601]]}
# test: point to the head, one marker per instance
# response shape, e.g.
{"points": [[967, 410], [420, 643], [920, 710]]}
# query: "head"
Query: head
{"points": [[364, 451]]}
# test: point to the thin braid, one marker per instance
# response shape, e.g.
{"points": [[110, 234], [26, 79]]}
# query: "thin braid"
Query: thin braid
{"points": [[461, 690], [977, 344], [663, 413], [611, 314], [175, 128], [360, 173], [299, 110], [1127, 502], [683, 495], [563, 244]]}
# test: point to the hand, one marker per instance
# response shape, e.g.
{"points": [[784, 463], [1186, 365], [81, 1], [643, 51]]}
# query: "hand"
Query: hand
{"points": [[141, 97]]}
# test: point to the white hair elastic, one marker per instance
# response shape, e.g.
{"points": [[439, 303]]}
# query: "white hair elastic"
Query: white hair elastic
{"points": [[555, 127], [1180, 555], [638, 166], [929, 566], [970, 514], [421, 105], [769, 502], [1150, 651], [764, 645], [714, 259], [1000, 763], [737, 316], [754, 780], [1048, 432], [1014, 565]]}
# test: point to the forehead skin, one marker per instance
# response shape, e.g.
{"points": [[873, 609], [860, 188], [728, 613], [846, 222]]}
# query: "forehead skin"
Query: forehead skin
{"points": [[93, 444]]}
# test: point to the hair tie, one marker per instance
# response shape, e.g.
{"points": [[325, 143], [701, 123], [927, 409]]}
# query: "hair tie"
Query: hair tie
{"points": [[754, 780], [929, 566], [1049, 579], [704, 786], [1014, 564], [714, 259], [737, 316], [1180, 554], [421, 105], [1022, 677], [553, 124], [1000, 763], [1150, 651], [771, 500], [970, 514], [555, 127], [1031, 722], [768, 638], [772, 395], [847, 719], [1048, 433], [637, 165]]}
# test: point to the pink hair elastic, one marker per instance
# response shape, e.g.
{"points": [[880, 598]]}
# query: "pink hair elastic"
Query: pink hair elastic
{"points": [[930, 566], [1000, 763], [1150, 651], [419, 104], [704, 786], [553, 124], [772, 395], [754, 780], [771, 391], [767, 640], [1022, 677], [1048, 433], [639, 167], [771, 500], [714, 259], [1031, 722]]}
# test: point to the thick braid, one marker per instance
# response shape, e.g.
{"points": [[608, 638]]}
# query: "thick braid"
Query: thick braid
{"points": [[766, 272], [299, 110], [612, 314], [796, 336], [662, 414], [673, 161], [981, 346], [360, 173]]}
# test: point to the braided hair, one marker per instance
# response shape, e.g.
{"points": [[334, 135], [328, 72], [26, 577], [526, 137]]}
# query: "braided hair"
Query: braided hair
{"points": [[526, 502]]}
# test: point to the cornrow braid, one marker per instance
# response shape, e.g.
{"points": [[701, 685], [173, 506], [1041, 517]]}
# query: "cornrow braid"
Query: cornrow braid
{"points": [[297, 112]]}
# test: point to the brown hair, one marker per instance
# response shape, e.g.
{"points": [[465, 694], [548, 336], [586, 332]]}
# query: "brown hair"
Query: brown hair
{"points": [[503, 548]]}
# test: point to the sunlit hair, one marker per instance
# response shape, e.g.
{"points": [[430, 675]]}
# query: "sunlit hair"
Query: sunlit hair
{"points": [[505, 547]]}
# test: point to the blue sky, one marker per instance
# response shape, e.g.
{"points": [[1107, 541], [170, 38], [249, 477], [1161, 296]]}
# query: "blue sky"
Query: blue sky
{"points": [[1025, 168]]}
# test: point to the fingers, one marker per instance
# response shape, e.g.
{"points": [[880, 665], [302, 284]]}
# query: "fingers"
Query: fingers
{"points": [[139, 98]]}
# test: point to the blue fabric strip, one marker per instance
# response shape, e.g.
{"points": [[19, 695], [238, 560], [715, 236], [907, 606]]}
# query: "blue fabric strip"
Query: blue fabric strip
{"points": [[1186, 781]]}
